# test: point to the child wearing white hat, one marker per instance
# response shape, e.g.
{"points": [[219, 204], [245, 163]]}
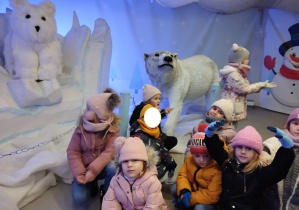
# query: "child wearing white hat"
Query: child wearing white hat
{"points": [[234, 83], [220, 110], [135, 186]]}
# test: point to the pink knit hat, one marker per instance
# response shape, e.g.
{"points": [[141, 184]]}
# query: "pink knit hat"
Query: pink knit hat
{"points": [[248, 137], [149, 91], [197, 145], [102, 106], [131, 148], [293, 115]]}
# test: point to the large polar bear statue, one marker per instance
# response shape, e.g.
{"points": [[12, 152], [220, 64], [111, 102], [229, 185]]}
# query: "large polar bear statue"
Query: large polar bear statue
{"points": [[180, 81], [31, 50]]}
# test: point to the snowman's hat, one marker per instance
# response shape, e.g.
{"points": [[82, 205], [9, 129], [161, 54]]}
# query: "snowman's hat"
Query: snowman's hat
{"points": [[294, 32]]}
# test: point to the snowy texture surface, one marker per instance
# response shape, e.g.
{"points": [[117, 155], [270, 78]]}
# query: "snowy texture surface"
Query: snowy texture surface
{"points": [[34, 139]]}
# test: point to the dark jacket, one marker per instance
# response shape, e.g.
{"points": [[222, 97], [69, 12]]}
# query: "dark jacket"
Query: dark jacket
{"points": [[244, 190], [166, 163], [136, 114]]}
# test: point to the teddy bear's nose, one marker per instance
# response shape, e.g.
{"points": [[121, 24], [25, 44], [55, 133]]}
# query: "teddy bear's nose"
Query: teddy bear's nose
{"points": [[37, 28]]}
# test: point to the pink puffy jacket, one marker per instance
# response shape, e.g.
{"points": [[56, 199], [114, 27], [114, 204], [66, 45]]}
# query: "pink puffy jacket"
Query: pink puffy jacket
{"points": [[144, 194]]}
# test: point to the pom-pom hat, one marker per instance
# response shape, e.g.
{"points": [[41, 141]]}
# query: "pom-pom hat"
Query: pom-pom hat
{"points": [[248, 137], [149, 91], [131, 148], [102, 105], [197, 145], [293, 115], [226, 106], [237, 54]]}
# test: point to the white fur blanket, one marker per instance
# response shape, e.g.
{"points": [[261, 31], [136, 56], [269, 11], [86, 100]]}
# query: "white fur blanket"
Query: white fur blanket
{"points": [[26, 175]]}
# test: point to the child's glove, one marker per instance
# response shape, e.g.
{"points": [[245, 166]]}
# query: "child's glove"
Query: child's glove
{"points": [[285, 140], [185, 199], [213, 127], [178, 203]]}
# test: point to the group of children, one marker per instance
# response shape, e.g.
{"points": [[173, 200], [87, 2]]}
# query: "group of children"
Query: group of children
{"points": [[222, 168]]}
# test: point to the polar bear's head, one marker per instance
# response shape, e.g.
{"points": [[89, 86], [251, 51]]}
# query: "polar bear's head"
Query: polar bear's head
{"points": [[161, 64], [33, 23]]}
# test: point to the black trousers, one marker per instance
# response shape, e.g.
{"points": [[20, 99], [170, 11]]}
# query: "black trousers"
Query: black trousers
{"points": [[170, 142]]}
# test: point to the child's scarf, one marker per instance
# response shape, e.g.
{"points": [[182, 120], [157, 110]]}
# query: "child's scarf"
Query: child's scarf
{"points": [[242, 69], [155, 132]]}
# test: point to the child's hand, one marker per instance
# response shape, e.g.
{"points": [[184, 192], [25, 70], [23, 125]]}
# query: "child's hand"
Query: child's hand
{"points": [[89, 176], [80, 179], [178, 203], [185, 199], [285, 140], [168, 110], [213, 127], [270, 85]]}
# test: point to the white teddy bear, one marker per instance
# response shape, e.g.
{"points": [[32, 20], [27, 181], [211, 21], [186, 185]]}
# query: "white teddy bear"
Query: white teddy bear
{"points": [[31, 50]]}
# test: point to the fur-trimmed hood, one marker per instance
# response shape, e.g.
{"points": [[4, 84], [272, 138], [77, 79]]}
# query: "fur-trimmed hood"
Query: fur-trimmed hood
{"points": [[227, 69]]}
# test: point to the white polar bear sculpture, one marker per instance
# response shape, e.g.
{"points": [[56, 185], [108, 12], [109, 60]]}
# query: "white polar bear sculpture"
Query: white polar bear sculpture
{"points": [[31, 50], [180, 80]]}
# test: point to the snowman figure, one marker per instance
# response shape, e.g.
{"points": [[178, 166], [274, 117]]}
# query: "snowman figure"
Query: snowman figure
{"points": [[287, 80]]}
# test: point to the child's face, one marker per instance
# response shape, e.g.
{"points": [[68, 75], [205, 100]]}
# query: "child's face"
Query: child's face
{"points": [[294, 128], [244, 154], [132, 168], [202, 160], [155, 101], [245, 61], [216, 112], [89, 115]]}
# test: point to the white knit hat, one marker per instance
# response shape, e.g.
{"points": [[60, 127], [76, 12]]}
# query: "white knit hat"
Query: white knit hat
{"points": [[226, 106], [237, 54], [149, 91]]}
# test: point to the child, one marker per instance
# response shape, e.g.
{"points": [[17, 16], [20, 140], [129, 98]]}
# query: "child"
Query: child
{"points": [[199, 179], [290, 187], [153, 138], [91, 148], [234, 83], [243, 178], [135, 186], [152, 95], [220, 110]]}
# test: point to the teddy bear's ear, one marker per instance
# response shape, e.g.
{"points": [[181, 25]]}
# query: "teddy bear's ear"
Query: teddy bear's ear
{"points": [[15, 4], [49, 7]]}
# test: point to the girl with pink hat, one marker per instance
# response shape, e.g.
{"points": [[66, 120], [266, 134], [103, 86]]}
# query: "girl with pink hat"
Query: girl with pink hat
{"points": [[135, 186], [285, 197], [244, 175], [91, 148]]}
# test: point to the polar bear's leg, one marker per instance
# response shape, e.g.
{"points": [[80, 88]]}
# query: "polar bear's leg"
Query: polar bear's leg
{"points": [[185, 108], [50, 62], [213, 95], [172, 118]]}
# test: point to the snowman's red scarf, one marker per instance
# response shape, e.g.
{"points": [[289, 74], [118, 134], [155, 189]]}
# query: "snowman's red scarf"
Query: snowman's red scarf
{"points": [[289, 73]]}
